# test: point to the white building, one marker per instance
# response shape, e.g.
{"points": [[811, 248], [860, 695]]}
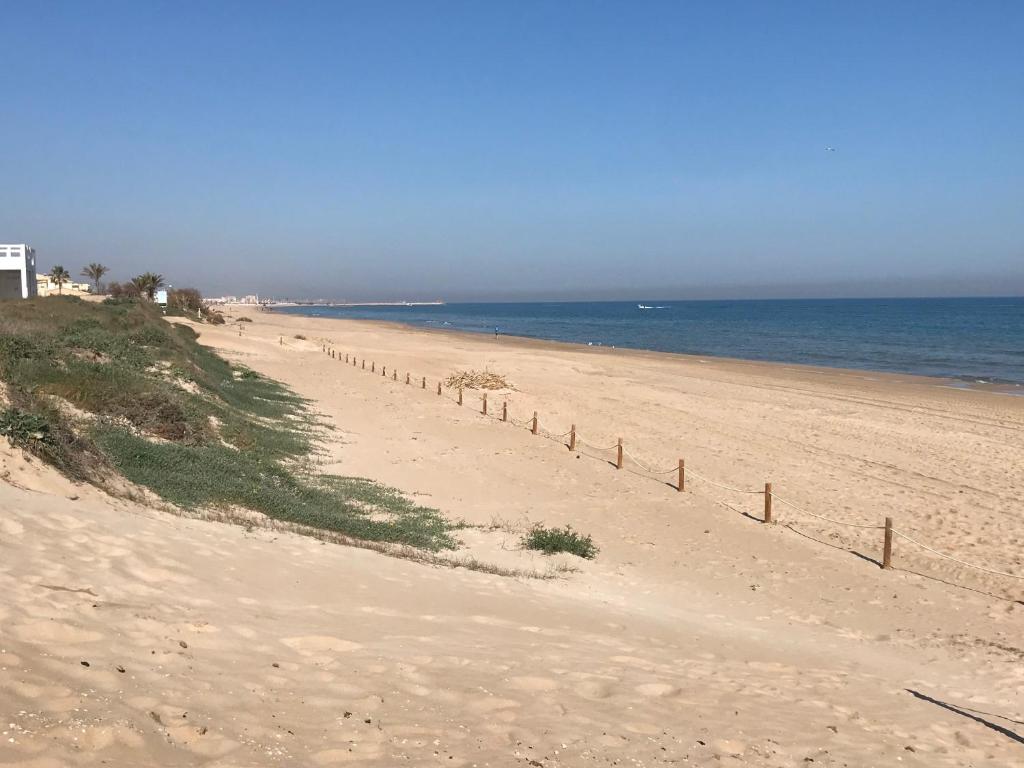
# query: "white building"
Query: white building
{"points": [[17, 272]]}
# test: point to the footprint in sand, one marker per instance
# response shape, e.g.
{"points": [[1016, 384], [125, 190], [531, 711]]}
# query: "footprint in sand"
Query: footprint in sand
{"points": [[527, 683], [657, 689], [11, 528], [308, 645], [594, 689], [50, 632]]}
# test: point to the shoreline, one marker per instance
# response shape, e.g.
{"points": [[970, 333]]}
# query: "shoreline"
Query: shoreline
{"points": [[1002, 389], [351, 304]]}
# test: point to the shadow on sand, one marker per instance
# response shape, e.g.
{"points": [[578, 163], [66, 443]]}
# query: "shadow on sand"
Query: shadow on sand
{"points": [[972, 714]]}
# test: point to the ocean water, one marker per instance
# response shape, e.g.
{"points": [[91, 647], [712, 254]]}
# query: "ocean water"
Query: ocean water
{"points": [[972, 340]]}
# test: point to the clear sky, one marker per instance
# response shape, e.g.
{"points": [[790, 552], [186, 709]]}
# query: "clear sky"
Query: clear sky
{"points": [[488, 150]]}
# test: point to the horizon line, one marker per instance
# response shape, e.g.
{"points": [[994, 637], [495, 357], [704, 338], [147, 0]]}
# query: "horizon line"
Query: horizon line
{"points": [[443, 302]]}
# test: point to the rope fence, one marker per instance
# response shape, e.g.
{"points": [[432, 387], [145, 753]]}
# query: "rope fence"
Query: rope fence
{"points": [[822, 517], [683, 472], [956, 559]]}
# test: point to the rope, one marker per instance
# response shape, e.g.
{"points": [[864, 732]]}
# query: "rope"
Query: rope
{"points": [[954, 559], [591, 445], [651, 470], [822, 517], [690, 472]]}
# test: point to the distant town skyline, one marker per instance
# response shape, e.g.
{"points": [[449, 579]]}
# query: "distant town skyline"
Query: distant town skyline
{"points": [[553, 151]]}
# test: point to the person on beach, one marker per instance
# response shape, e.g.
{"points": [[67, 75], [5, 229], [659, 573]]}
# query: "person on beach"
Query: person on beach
{"points": [[495, 331]]}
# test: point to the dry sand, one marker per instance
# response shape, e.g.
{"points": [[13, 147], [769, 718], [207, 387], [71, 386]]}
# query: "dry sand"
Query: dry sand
{"points": [[698, 636]]}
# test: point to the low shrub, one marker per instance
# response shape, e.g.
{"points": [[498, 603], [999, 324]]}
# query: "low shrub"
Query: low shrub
{"points": [[21, 427], [44, 433], [300, 337], [127, 290], [185, 300], [215, 475], [551, 541], [119, 301], [244, 319]]}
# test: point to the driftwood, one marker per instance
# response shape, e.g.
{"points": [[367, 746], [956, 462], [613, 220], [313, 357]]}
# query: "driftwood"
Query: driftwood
{"points": [[477, 380]]}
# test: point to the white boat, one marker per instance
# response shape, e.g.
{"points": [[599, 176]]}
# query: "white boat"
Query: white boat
{"points": [[643, 306]]}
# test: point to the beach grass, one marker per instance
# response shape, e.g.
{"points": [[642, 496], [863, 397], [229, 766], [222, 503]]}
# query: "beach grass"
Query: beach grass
{"points": [[101, 388], [552, 541]]}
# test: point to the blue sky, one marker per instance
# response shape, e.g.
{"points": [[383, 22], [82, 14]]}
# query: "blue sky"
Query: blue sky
{"points": [[486, 150]]}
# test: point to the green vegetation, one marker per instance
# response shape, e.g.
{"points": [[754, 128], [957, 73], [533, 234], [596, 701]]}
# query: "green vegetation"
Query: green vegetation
{"points": [[59, 276], [20, 428], [95, 272], [148, 284], [123, 291], [550, 541], [100, 387]]}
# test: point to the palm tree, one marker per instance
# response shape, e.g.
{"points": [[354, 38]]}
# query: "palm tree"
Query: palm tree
{"points": [[148, 283], [95, 272], [59, 275]]}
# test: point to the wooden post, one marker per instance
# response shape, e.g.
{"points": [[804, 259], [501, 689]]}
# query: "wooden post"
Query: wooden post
{"points": [[408, 378], [346, 358], [364, 363], [618, 459], [767, 502], [424, 384], [460, 395], [282, 341], [439, 388], [504, 410], [394, 375], [572, 438], [383, 370], [534, 429], [373, 367], [682, 476], [887, 550]]}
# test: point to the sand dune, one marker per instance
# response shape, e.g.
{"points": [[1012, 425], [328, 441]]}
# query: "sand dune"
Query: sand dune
{"points": [[698, 636]]}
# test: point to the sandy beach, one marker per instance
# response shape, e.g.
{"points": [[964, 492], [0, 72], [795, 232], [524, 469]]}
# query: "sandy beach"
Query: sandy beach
{"points": [[698, 636]]}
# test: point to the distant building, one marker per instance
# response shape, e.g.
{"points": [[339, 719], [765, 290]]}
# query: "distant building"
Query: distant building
{"points": [[46, 287], [17, 272], [252, 298]]}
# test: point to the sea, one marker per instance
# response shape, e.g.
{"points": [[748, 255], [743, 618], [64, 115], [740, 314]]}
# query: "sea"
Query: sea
{"points": [[975, 341]]}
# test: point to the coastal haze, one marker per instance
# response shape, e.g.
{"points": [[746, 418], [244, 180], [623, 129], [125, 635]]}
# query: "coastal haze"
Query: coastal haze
{"points": [[536, 384], [533, 151]]}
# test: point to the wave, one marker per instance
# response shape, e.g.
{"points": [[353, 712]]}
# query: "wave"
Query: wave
{"points": [[986, 380]]}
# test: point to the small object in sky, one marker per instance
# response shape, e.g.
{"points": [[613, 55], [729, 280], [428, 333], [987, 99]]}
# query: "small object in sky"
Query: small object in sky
{"points": [[830, 149]]}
